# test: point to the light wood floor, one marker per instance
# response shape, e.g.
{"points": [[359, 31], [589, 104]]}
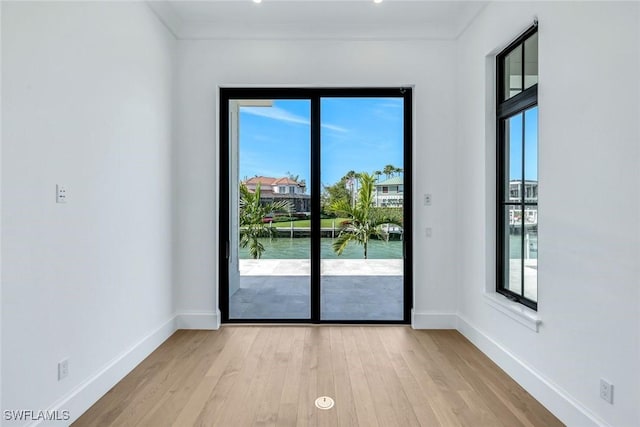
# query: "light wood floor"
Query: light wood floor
{"points": [[271, 375]]}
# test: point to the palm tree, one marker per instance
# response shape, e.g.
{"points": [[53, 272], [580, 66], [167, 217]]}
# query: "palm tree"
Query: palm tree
{"points": [[252, 214], [364, 221], [351, 179], [377, 175], [350, 175], [389, 170]]}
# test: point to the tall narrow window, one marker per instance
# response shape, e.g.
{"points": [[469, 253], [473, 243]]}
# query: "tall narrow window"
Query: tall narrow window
{"points": [[517, 170]]}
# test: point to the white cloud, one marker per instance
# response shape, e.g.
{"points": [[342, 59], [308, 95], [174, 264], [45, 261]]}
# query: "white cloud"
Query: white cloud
{"points": [[280, 114], [275, 113], [334, 127]]}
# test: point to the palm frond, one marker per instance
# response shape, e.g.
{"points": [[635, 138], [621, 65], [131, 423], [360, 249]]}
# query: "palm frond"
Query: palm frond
{"points": [[342, 208], [341, 242], [252, 213], [365, 221]]}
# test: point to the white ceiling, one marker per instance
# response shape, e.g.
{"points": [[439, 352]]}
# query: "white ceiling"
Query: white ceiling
{"points": [[317, 19]]}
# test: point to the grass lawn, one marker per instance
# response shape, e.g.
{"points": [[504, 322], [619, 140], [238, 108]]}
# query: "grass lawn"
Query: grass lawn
{"points": [[306, 223]]}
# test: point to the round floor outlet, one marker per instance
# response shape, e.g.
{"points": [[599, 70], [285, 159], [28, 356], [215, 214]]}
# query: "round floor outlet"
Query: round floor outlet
{"points": [[324, 402]]}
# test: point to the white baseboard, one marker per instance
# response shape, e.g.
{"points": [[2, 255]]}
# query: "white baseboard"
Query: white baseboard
{"points": [[556, 400], [89, 391], [93, 388], [433, 320], [201, 320]]}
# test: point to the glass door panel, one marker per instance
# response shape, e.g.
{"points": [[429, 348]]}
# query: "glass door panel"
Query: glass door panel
{"points": [[270, 213], [362, 214]]}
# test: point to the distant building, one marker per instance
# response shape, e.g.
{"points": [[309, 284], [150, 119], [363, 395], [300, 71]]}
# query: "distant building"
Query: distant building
{"points": [[530, 190], [530, 195], [277, 189], [389, 193]]}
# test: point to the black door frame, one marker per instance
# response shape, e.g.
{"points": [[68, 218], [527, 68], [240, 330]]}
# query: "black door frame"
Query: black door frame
{"points": [[314, 95]]}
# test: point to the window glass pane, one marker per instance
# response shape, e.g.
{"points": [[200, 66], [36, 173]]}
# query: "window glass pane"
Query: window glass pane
{"points": [[513, 249], [269, 273], [361, 274], [531, 253], [531, 61], [531, 154], [513, 158], [513, 73]]}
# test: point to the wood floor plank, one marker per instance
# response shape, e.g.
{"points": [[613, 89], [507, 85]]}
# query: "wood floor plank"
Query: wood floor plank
{"points": [[326, 380], [445, 372], [307, 413], [482, 414], [271, 376], [111, 405], [481, 388], [241, 400], [381, 399], [401, 407], [528, 410], [169, 405], [267, 413], [142, 402], [211, 392], [486, 408], [365, 408], [446, 404], [256, 392], [420, 402], [288, 407], [345, 408], [157, 378]]}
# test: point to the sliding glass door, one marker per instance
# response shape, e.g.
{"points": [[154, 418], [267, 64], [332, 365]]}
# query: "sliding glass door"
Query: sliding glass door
{"points": [[270, 213], [362, 171], [313, 204]]}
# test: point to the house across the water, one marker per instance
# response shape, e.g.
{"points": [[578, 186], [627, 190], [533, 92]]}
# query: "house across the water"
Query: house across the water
{"points": [[277, 189], [389, 193]]}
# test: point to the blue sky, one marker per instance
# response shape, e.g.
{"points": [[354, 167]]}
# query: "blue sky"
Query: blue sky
{"points": [[531, 145], [360, 134]]}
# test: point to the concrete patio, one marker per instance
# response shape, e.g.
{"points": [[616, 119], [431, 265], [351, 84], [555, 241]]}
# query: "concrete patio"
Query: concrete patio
{"points": [[350, 290]]}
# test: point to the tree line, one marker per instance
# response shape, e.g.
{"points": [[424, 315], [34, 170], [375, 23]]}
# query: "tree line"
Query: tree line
{"points": [[346, 189], [351, 197]]}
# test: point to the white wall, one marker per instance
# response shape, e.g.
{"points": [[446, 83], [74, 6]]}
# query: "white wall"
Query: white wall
{"points": [[204, 65], [87, 103], [589, 235], [1, 209]]}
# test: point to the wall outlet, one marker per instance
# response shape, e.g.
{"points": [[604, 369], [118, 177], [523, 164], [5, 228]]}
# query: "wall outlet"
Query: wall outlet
{"points": [[428, 232], [63, 369], [606, 390], [61, 194], [427, 199]]}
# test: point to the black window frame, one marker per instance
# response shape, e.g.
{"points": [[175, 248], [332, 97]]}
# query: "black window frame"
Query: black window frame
{"points": [[315, 96], [506, 109]]}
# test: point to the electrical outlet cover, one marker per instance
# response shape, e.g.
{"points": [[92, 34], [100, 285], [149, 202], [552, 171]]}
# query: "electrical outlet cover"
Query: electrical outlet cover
{"points": [[61, 194], [606, 391], [63, 369]]}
